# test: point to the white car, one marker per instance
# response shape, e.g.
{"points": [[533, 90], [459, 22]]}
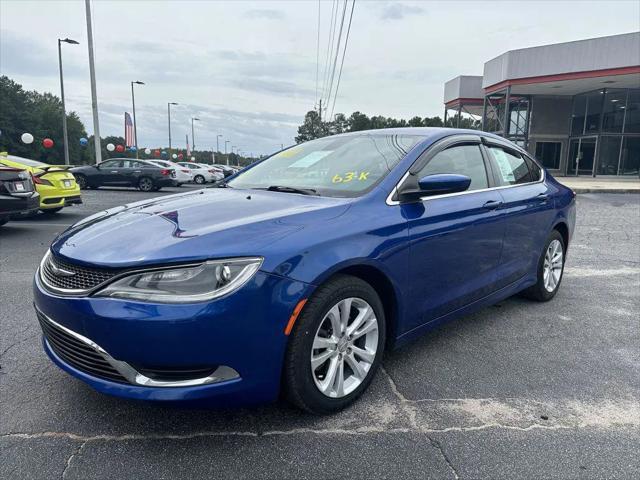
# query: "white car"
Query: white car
{"points": [[202, 173], [183, 175]]}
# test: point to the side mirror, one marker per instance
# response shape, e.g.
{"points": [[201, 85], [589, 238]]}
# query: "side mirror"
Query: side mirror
{"points": [[437, 184]]}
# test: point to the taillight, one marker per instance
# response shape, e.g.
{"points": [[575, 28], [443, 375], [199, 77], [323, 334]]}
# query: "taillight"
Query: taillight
{"points": [[40, 181], [165, 172], [184, 171], [212, 171]]}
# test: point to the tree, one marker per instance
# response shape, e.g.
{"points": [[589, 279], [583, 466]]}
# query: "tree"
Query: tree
{"points": [[312, 128], [40, 115]]}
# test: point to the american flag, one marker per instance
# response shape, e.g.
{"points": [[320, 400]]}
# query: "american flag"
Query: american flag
{"points": [[128, 131]]}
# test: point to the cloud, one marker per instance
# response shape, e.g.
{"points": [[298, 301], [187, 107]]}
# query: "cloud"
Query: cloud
{"points": [[267, 13], [397, 11]]}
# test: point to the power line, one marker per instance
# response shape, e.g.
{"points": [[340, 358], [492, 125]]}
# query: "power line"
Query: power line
{"points": [[344, 51], [318, 53], [335, 61], [332, 32]]}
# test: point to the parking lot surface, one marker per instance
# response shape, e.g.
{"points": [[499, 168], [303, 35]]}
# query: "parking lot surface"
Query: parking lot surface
{"points": [[518, 390]]}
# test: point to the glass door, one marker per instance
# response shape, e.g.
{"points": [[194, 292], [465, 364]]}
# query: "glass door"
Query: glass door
{"points": [[582, 154]]}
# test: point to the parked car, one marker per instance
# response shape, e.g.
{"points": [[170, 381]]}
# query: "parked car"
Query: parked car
{"points": [[183, 174], [303, 269], [56, 186], [17, 194], [226, 169], [202, 173], [125, 172]]}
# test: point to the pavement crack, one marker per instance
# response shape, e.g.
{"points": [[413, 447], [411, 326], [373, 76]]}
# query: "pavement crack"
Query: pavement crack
{"points": [[438, 446], [409, 409], [71, 457]]}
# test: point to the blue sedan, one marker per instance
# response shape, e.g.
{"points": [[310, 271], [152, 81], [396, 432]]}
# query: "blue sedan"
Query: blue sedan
{"points": [[296, 274]]}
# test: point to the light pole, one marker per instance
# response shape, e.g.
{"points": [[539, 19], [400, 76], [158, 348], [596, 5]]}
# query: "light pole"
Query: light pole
{"points": [[135, 123], [218, 142], [169, 117], [64, 112], [193, 137], [225, 150]]}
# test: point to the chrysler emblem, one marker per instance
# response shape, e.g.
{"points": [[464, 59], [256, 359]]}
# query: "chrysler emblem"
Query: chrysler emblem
{"points": [[60, 272]]}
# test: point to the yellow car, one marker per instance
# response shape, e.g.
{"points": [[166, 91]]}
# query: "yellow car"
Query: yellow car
{"points": [[56, 186]]}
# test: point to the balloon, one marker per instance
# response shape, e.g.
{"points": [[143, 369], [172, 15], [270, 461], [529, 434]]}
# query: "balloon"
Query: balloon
{"points": [[120, 148], [133, 149], [84, 142], [164, 154], [147, 150], [47, 143], [174, 156], [27, 138], [111, 147], [180, 156], [156, 153], [193, 159]]}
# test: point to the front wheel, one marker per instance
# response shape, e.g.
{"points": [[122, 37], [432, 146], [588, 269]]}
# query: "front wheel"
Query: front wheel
{"points": [[550, 269], [145, 184], [81, 180], [336, 346]]}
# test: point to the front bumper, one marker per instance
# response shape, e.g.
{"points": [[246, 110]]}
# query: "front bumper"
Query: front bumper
{"points": [[243, 332]]}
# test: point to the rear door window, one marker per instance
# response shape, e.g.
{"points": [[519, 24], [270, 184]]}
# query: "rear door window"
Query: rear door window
{"points": [[511, 167]]}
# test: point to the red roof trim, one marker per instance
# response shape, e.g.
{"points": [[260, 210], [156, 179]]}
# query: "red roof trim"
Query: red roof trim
{"points": [[563, 77], [468, 101]]}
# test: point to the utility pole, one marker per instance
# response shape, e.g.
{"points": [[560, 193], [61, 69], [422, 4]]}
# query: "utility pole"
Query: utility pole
{"points": [[320, 111], [169, 119], [135, 123], [94, 94], [218, 142], [193, 137], [64, 110]]}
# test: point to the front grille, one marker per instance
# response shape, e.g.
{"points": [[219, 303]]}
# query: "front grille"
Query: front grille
{"points": [[77, 353], [66, 276]]}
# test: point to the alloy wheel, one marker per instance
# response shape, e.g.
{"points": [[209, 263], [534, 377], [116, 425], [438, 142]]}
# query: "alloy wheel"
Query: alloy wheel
{"points": [[199, 179], [552, 269], [344, 347], [146, 185]]}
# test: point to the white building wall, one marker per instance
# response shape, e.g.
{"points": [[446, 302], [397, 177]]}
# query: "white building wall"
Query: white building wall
{"points": [[580, 56]]}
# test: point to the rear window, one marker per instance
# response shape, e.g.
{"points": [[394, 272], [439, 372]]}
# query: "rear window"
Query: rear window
{"points": [[26, 161], [511, 166]]}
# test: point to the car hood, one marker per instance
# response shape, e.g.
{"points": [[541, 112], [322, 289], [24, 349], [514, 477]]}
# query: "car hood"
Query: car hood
{"points": [[208, 223]]}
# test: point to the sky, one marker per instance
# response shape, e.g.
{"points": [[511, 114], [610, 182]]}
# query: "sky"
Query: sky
{"points": [[247, 69]]}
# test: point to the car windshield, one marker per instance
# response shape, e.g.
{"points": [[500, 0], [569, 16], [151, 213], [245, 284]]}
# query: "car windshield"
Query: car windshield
{"points": [[341, 166]]}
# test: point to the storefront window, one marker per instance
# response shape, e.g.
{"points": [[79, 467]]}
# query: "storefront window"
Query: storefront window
{"points": [[630, 156], [632, 122], [577, 116], [613, 111], [548, 153], [609, 155], [594, 110]]}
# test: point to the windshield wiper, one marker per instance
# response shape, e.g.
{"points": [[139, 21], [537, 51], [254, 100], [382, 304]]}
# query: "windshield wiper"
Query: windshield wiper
{"points": [[285, 189]]}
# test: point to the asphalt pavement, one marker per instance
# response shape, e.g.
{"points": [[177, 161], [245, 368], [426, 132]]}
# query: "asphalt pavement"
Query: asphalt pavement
{"points": [[517, 390]]}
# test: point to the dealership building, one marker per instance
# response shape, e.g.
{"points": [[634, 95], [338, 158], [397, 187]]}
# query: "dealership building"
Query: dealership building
{"points": [[574, 105]]}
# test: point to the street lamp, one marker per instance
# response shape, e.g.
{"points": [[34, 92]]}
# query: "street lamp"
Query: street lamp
{"points": [[64, 112], [135, 123], [169, 116], [193, 137], [217, 142]]}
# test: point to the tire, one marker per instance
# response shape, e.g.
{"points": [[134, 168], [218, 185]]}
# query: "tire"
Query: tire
{"points": [[199, 179], [541, 291], [145, 184], [51, 211], [81, 180], [302, 382]]}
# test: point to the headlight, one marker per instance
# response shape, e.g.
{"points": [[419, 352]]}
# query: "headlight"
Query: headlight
{"points": [[198, 283]]}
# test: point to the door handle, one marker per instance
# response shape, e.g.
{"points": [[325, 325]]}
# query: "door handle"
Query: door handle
{"points": [[113, 171], [543, 197], [137, 171], [492, 205]]}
